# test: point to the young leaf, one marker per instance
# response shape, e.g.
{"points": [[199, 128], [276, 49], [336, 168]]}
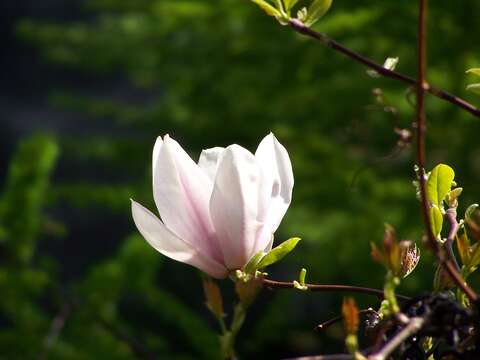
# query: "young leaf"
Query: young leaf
{"points": [[475, 88], [300, 284], [289, 4], [474, 259], [278, 252], [269, 9], [470, 210], [475, 71], [436, 218], [317, 9], [463, 247], [439, 183], [389, 64]]}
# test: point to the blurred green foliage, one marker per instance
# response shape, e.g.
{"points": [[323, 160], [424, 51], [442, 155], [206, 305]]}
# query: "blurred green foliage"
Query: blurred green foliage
{"points": [[212, 73]]}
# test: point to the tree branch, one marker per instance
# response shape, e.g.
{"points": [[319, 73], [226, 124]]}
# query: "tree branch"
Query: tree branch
{"points": [[56, 328], [412, 327], [324, 357], [325, 40], [421, 125], [330, 288]]}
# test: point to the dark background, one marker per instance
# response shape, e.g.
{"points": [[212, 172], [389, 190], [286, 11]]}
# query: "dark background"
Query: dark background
{"points": [[86, 86]]}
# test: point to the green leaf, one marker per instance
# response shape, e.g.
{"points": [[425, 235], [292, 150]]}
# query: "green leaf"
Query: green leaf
{"points": [[269, 9], [475, 88], [317, 9], [475, 71], [252, 265], [439, 183], [289, 4], [436, 218], [279, 252]]}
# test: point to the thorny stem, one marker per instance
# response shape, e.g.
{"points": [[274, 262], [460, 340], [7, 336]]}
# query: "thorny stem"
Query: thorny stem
{"points": [[329, 288], [422, 86], [325, 40], [412, 327]]}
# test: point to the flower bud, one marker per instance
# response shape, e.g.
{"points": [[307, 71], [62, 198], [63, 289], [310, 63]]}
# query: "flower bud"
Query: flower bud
{"points": [[350, 316], [213, 297]]}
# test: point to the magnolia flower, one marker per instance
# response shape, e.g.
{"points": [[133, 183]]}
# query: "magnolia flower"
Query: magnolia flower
{"points": [[217, 214]]}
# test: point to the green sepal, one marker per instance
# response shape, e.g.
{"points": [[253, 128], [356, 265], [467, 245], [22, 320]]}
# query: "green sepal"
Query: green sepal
{"points": [[278, 252], [252, 265], [439, 183], [317, 9]]}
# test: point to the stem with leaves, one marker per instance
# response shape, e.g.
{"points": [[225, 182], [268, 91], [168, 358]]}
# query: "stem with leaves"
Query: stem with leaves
{"points": [[422, 86]]}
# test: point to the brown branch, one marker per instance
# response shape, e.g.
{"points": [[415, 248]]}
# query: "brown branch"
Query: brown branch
{"points": [[451, 216], [421, 125], [137, 348], [325, 40], [324, 357], [414, 325], [56, 328], [330, 288], [326, 324]]}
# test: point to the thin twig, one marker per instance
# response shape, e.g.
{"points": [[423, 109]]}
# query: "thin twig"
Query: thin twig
{"points": [[56, 328], [137, 348], [324, 357], [330, 288], [414, 325], [325, 40], [421, 125], [326, 324]]}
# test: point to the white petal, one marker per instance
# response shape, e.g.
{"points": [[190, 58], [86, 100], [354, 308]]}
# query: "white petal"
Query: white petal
{"points": [[156, 152], [209, 160], [234, 205], [278, 176], [182, 193], [165, 242]]}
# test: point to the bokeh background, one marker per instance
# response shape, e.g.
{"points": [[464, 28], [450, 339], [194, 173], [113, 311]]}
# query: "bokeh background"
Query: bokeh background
{"points": [[87, 85]]}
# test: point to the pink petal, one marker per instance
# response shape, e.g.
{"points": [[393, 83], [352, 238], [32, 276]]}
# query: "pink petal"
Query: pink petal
{"points": [[234, 205], [167, 243], [209, 160], [182, 193], [278, 177], [156, 152]]}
